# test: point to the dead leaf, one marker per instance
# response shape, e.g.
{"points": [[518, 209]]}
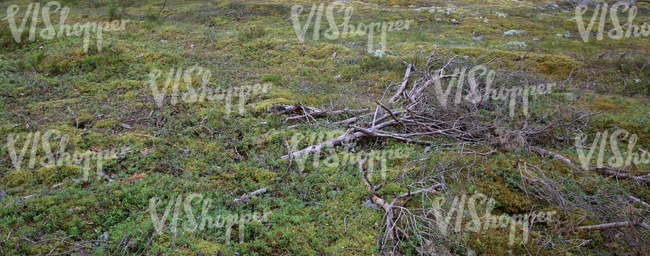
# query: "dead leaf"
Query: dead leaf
{"points": [[135, 177]]}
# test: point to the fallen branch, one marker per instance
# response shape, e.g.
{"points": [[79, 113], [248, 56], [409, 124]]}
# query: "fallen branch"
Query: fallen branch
{"points": [[614, 172], [545, 152], [248, 196], [163, 7], [636, 200], [347, 137], [388, 208], [403, 86], [33, 195], [324, 113], [371, 133], [616, 225], [279, 109], [392, 114], [424, 190]]}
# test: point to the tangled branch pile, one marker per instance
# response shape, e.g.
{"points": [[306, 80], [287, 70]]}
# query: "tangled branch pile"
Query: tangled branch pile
{"points": [[418, 113], [423, 111]]}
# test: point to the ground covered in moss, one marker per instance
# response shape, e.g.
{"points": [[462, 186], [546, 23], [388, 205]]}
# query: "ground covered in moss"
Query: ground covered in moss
{"points": [[157, 164]]}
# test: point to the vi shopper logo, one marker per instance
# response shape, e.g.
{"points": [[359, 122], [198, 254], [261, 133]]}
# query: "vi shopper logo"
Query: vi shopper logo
{"points": [[61, 157], [49, 32], [191, 94], [474, 95], [209, 220], [334, 159], [615, 33], [348, 30], [486, 221], [619, 159]]}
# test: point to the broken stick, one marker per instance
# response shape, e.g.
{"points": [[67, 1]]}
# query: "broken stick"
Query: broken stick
{"points": [[248, 196], [616, 225]]}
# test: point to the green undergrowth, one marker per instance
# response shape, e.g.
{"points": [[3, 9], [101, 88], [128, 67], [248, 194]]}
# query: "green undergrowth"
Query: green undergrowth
{"points": [[101, 100]]}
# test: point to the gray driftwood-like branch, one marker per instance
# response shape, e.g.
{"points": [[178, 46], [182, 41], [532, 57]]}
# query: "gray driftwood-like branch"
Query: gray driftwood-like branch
{"points": [[616, 225], [250, 195]]}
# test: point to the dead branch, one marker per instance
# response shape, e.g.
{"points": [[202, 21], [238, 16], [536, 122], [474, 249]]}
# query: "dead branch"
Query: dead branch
{"points": [[378, 134], [424, 190], [396, 202], [616, 225], [545, 152], [636, 200], [248, 196], [33, 195], [347, 137], [163, 7], [415, 114], [403, 86], [279, 109], [392, 114], [616, 173], [321, 112], [422, 118]]}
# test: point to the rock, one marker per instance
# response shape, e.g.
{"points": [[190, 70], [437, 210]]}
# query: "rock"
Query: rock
{"points": [[514, 32], [582, 2], [477, 39], [551, 5]]}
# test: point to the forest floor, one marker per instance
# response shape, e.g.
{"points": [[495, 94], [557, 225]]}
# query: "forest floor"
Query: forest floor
{"points": [[155, 169]]}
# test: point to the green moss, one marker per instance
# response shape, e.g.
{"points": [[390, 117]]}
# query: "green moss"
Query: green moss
{"points": [[55, 174], [17, 178], [106, 123], [556, 64]]}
